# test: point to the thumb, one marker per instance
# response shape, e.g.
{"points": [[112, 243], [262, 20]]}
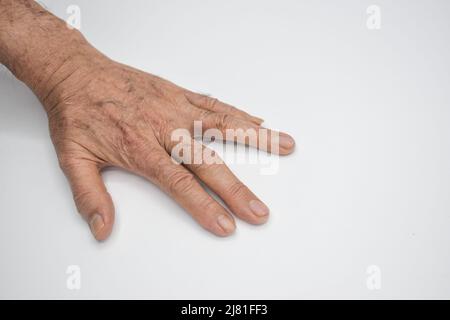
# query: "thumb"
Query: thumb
{"points": [[91, 197]]}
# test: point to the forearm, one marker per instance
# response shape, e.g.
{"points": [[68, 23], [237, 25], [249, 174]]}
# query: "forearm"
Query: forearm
{"points": [[38, 47]]}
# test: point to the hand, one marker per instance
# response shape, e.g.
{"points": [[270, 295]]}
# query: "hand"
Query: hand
{"points": [[103, 113], [108, 114]]}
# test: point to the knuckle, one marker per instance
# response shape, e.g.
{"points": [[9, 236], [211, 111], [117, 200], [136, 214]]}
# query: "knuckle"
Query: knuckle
{"points": [[211, 103], [89, 201], [205, 114], [223, 120], [237, 189], [179, 181], [81, 197], [164, 134]]}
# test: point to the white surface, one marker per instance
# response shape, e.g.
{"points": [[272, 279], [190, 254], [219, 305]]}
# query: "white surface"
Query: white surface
{"points": [[369, 183]]}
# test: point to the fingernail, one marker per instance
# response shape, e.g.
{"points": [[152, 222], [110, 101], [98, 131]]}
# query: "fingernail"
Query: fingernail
{"points": [[286, 141], [259, 208], [96, 224], [226, 224]]}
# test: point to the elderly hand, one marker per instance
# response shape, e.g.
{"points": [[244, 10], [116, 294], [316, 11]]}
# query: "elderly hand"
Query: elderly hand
{"points": [[103, 113]]}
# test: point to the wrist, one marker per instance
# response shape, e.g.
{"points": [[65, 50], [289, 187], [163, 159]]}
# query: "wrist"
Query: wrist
{"points": [[40, 49]]}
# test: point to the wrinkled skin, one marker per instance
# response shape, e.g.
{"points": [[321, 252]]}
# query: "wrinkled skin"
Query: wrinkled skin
{"points": [[102, 113]]}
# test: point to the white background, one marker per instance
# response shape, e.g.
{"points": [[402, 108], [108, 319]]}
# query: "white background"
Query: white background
{"points": [[369, 183]]}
